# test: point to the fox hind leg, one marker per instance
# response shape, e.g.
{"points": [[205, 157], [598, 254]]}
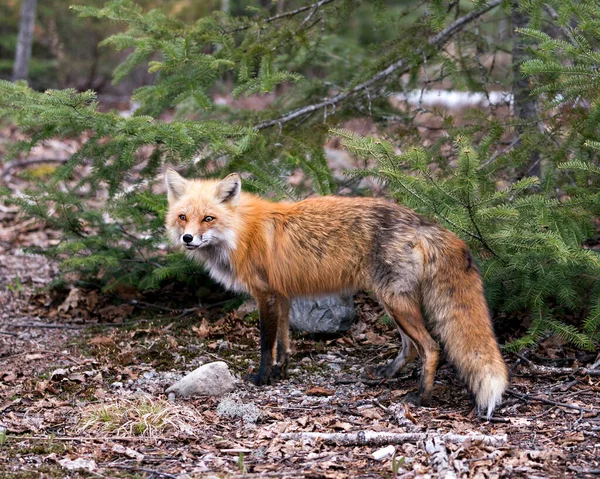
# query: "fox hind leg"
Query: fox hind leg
{"points": [[283, 341], [406, 312], [407, 355]]}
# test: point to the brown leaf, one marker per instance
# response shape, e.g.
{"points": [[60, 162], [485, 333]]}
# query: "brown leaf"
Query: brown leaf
{"points": [[203, 330], [72, 301], [33, 357], [76, 377], [375, 338], [112, 312], [92, 300], [370, 413], [125, 358], [319, 391], [572, 438], [344, 426], [102, 341]]}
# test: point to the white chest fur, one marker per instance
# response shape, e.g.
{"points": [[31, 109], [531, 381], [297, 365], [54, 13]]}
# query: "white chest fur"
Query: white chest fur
{"points": [[219, 267]]}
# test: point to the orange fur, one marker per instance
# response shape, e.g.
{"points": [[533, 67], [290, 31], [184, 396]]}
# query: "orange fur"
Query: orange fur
{"points": [[276, 251]]}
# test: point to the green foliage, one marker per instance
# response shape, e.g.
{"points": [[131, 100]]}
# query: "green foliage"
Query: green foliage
{"points": [[529, 243], [468, 170]]}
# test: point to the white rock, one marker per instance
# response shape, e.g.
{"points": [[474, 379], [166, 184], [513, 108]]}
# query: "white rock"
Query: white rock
{"points": [[384, 452], [212, 379], [78, 464]]}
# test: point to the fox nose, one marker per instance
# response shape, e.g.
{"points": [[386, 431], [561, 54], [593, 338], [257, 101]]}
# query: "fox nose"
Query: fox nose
{"points": [[187, 238]]}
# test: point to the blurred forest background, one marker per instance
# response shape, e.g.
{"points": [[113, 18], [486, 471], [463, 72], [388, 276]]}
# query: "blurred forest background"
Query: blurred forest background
{"points": [[482, 115]]}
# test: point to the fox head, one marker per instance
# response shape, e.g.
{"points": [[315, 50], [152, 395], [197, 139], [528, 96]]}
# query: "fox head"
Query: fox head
{"points": [[202, 212]]}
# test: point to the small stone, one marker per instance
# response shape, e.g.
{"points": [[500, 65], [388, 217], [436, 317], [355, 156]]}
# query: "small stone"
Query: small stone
{"points": [[384, 452], [171, 397], [212, 379], [116, 385], [58, 374], [78, 464]]}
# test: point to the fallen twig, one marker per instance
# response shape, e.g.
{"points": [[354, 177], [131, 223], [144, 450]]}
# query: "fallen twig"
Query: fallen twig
{"points": [[552, 371], [8, 333], [140, 469], [438, 457], [251, 475], [371, 382], [93, 438], [581, 470], [373, 438], [527, 397], [43, 325]]}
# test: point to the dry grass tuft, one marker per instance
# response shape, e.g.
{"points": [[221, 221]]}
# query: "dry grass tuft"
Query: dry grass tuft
{"points": [[140, 417]]}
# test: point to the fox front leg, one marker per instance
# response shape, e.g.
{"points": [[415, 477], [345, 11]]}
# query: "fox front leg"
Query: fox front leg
{"points": [[268, 312]]}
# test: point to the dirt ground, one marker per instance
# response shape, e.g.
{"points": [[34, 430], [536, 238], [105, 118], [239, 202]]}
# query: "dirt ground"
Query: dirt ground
{"points": [[82, 380]]}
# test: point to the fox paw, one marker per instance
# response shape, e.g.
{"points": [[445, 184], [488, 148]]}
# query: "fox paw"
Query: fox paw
{"points": [[384, 371], [258, 379], [414, 398], [279, 372]]}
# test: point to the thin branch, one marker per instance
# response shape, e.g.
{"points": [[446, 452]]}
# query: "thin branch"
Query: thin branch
{"points": [[8, 333], [291, 13], [527, 397], [565, 32], [400, 66], [552, 371], [500, 153], [140, 469], [381, 438]]}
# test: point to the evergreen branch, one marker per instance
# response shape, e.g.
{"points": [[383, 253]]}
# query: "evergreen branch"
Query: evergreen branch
{"points": [[554, 17], [315, 6], [401, 66]]}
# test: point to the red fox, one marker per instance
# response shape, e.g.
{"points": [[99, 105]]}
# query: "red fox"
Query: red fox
{"points": [[276, 251]]}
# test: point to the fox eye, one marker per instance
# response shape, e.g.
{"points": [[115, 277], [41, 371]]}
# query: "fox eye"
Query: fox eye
{"points": [[182, 217], [208, 219]]}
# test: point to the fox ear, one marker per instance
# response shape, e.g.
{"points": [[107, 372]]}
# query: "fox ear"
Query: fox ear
{"points": [[176, 185], [228, 189]]}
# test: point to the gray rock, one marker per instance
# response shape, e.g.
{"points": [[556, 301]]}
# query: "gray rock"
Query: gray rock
{"points": [[212, 379], [326, 314]]}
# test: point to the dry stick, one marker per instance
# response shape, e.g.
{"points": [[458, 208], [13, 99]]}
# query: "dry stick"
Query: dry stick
{"points": [[438, 457], [527, 397], [581, 470], [251, 475], [95, 439], [8, 333], [372, 382], [373, 438], [42, 326], [552, 371], [140, 469], [400, 66]]}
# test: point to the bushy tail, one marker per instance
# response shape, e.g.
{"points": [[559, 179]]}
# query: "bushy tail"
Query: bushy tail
{"points": [[455, 304]]}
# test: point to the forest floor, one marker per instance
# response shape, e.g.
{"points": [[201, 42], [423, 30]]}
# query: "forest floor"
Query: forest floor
{"points": [[82, 380]]}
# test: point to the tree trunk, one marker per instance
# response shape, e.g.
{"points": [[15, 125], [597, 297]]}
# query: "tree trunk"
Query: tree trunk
{"points": [[524, 105], [25, 40]]}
